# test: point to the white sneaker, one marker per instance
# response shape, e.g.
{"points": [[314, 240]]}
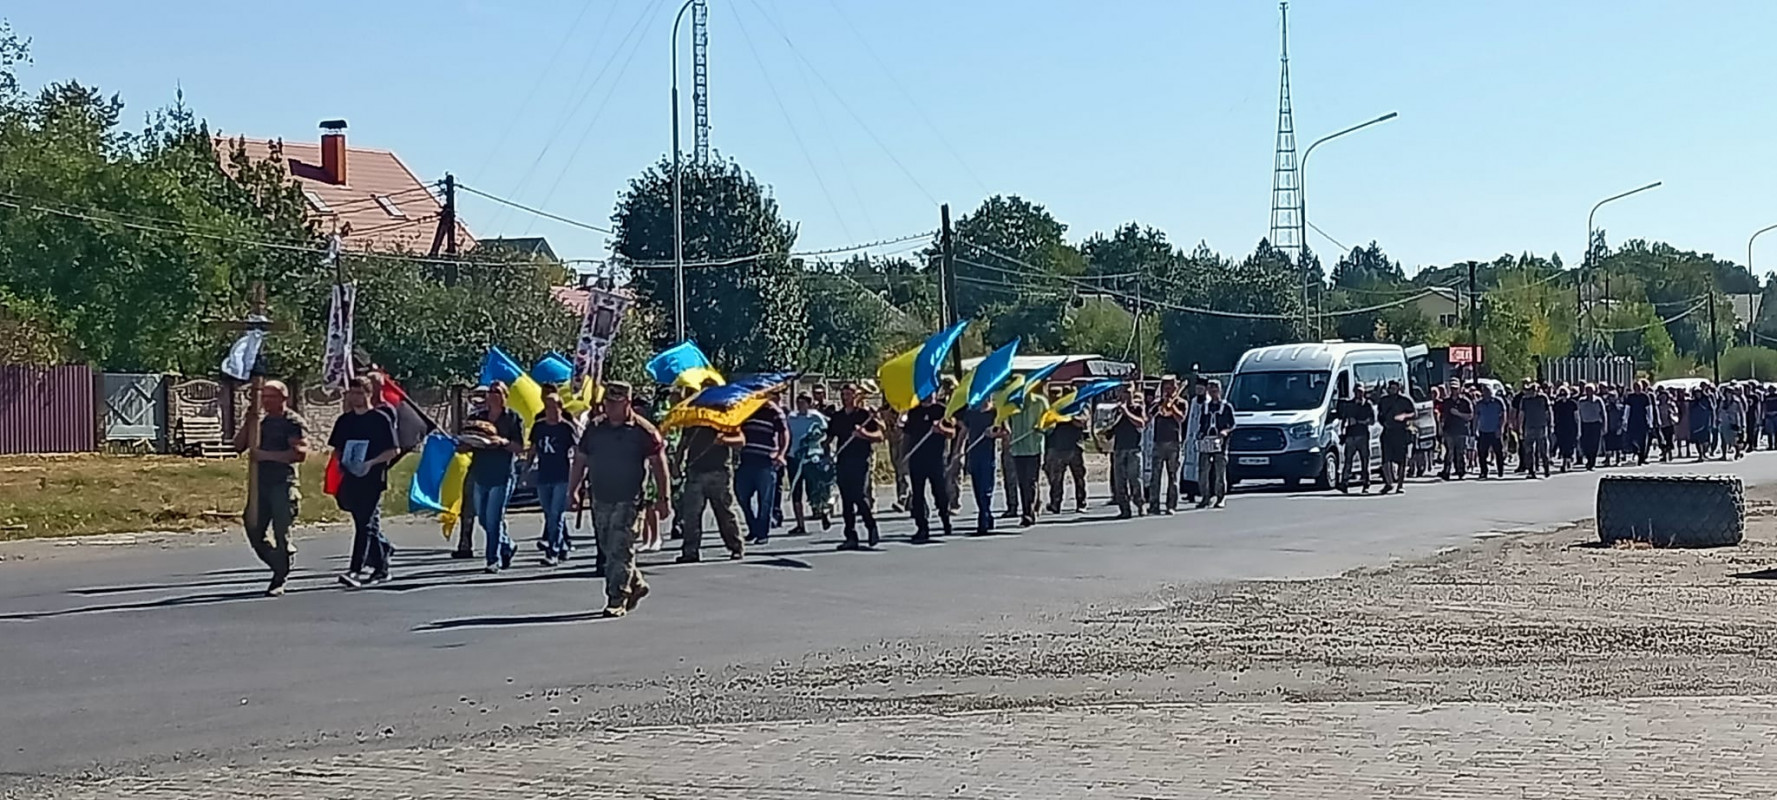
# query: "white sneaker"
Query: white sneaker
{"points": [[492, 569], [351, 580], [548, 560], [376, 578]]}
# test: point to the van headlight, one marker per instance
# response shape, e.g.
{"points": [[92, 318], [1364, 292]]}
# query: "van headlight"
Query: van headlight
{"points": [[1300, 430]]}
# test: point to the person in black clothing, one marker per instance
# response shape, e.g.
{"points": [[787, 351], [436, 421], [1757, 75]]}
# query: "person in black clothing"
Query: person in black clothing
{"points": [[927, 433], [1125, 435], [553, 436], [1356, 415], [1458, 415], [1396, 411], [492, 440], [1168, 418], [364, 440], [1535, 414], [854, 432], [1212, 432], [1063, 456], [1566, 426]]}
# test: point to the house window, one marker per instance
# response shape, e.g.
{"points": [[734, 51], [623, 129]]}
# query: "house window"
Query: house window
{"points": [[389, 206], [1449, 320], [316, 202]]}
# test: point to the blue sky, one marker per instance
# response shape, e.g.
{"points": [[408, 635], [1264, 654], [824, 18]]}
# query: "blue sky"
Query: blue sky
{"points": [[1516, 115]]}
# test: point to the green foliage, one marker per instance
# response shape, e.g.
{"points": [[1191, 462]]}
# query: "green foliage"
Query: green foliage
{"points": [[748, 316], [1264, 283], [1100, 325], [1742, 363], [1012, 228]]}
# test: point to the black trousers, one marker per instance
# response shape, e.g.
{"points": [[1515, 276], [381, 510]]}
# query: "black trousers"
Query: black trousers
{"points": [[1028, 468], [928, 473], [853, 478], [1591, 439], [1491, 443]]}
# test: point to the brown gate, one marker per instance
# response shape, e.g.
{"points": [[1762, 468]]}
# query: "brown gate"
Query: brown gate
{"points": [[47, 410]]}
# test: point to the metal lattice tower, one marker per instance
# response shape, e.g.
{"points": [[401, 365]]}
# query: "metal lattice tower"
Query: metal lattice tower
{"points": [[700, 81], [1286, 179]]}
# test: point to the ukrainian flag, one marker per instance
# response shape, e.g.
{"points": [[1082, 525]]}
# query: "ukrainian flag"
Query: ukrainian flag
{"points": [[913, 376], [979, 383], [726, 407], [1076, 401], [683, 364], [524, 395]]}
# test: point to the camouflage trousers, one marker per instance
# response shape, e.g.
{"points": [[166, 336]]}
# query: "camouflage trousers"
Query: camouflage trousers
{"points": [[613, 527]]}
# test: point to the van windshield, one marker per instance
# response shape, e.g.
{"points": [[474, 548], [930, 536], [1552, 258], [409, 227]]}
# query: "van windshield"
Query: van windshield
{"points": [[1278, 391]]}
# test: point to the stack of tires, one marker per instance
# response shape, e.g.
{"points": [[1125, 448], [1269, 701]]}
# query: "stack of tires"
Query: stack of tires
{"points": [[1672, 510]]}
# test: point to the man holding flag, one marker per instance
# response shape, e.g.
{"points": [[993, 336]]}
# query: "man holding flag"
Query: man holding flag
{"points": [[854, 432], [927, 431], [1026, 446], [981, 437]]}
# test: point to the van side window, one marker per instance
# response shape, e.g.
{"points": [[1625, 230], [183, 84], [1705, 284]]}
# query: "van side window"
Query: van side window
{"points": [[1375, 376]]}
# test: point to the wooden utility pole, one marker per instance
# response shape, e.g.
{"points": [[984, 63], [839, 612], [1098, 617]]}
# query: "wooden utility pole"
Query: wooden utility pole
{"points": [[1714, 337], [947, 282], [1474, 323]]}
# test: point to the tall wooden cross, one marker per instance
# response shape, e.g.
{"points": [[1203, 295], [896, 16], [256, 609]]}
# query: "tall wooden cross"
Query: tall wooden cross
{"points": [[257, 320]]}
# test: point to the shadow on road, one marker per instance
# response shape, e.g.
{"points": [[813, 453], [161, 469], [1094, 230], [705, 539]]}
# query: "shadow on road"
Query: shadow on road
{"points": [[500, 622]]}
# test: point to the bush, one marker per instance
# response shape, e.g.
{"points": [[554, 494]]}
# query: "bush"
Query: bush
{"points": [[1741, 363]]}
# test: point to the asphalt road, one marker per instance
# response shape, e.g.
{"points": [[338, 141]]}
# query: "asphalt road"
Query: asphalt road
{"points": [[117, 656]]}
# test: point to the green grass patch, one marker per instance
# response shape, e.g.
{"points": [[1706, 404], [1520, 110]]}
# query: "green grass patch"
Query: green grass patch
{"points": [[73, 495]]}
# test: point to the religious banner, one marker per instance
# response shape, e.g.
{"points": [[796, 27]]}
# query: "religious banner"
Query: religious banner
{"points": [[604, 314], [336, 363]]}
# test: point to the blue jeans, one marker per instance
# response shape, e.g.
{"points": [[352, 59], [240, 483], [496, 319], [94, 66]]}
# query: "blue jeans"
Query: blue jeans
{"points": [[755, 483], [490, 511], [983, 461], [553, 497]]}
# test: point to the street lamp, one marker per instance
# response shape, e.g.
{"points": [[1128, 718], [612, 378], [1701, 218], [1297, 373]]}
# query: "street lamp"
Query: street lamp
{"points": [[1579, 301], [678, 199], [1751, 337], [1302, 190]]}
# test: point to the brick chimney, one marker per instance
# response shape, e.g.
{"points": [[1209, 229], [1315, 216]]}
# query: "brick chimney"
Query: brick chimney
{"points": [[333, 151]]}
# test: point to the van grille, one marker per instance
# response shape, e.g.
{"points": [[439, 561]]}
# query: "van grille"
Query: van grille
{"points": [[1256, 440]]}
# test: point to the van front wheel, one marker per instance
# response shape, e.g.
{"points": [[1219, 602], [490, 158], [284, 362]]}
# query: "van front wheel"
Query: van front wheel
{"points": [[1329, 470]]}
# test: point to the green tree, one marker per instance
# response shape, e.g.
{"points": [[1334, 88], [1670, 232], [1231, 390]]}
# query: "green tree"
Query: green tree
{"points": [[750, 315], [1013, 243], [1102, 325], [1264, 284]]}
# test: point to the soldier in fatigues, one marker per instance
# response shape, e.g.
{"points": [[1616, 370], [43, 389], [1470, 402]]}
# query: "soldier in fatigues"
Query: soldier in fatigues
{"points": [[283, 444], [627, 450]]}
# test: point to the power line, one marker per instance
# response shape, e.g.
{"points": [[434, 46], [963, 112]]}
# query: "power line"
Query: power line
{"points": [[769, 20], [1666, 321], [535, 211]]}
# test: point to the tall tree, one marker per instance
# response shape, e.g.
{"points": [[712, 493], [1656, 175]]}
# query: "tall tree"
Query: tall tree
{"points": [[1009, 242], [1264, 284], [749, 315]]}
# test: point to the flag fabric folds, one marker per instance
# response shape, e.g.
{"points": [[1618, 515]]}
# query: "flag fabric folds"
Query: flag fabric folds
{"points": [[1008, 400], [1034, 381], [683, 364], [913, 376], [524, 394], [438, 480], [410, 427], [1076, 401], [725, 407], [553, 368], [979, 383]]}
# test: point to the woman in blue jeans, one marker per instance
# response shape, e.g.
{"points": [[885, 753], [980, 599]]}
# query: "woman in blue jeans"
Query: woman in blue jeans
{"points": [[492, 439]]}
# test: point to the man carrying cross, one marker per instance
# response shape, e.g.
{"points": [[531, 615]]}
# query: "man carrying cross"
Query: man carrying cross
{"points": [[282, 443]]}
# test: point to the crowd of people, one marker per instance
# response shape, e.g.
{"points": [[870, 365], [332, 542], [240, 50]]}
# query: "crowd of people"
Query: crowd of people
{"points": [[1541, 426], [1166, 452]]}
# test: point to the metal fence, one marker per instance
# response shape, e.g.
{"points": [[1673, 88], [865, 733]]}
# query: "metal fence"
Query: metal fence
{"points": [[47, 409], [1615, 370]]}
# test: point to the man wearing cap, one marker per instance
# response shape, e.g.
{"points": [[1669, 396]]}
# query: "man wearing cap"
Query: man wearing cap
{"points": [[283, 443], [628, 451]]}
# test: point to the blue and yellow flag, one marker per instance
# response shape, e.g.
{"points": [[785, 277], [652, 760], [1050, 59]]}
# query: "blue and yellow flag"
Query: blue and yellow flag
{"points": [[1034, 381], [553, 368], [913, 376], [979, 383], [725, 407], [683, 364], [1077, 401], [524, 395]]}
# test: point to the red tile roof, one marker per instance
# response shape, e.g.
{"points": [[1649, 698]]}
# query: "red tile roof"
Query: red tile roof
{"points": [[370, 173], [574, 298]]}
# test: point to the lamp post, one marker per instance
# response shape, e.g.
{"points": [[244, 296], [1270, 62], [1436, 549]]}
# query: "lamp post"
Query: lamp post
{"points": [[1302, 189], [678, 197], [1578, 299], [1752, 338]]}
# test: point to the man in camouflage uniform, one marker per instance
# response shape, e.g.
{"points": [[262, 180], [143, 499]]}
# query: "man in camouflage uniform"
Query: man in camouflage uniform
{"points": [[627, 450], [283, 443]]}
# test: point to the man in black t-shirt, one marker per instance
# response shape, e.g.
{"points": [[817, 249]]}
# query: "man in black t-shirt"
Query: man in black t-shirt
{"points": [[981, 437], [1356, 415], [853, 432], [1125, 435], [927, 434], [627, 451], [364, 441], [1213, 427], [1063, 455], [553, 437], [1396, 411], [1167, 415], [1457, 415]]}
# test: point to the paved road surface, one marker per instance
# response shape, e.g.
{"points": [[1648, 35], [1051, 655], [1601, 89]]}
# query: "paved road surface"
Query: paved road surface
{"points": [[118, 656]]}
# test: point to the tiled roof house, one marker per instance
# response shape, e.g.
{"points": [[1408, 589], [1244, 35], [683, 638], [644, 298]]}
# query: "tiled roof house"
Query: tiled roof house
{"points": [[386, 206]]}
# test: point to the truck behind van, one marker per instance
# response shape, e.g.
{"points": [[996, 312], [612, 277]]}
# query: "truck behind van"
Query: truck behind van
{"points": [[1286, 399]]}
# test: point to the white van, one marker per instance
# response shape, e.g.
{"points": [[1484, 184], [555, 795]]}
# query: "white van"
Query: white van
{"points": [[1286, 399]]}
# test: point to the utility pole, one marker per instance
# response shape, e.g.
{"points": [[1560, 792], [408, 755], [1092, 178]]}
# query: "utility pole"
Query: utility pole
{"points": [[1139, 375], [446, 237], [1714, 338], [947, 282], [1474, 324]]}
